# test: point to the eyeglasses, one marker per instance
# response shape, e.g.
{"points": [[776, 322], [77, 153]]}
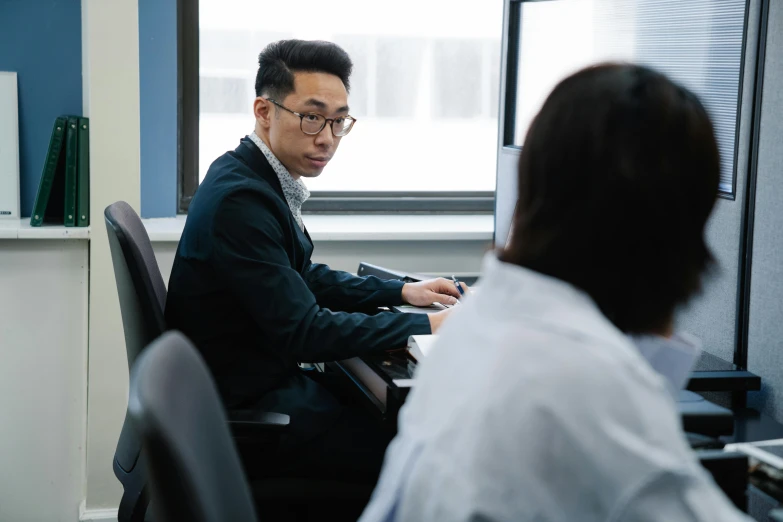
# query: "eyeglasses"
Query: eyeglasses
{"points": [[312, 123]]}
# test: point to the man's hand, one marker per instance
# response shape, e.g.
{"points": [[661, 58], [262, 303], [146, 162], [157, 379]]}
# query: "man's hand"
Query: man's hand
{"points": [[437, 318], [431, 291]]}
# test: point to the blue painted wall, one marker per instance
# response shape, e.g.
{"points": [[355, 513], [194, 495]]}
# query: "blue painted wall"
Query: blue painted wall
{"points": [[41, 40], [158, 99]]}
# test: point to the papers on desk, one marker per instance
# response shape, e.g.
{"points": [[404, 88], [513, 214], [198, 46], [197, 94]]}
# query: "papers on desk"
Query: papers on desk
{"points": [[410, 309], [769, 453], [420, 345], [764, 457]]}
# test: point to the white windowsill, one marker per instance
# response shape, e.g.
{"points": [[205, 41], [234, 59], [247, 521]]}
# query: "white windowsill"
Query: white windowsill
{"points": [[21, 229], [353, 227], [368, 227]]}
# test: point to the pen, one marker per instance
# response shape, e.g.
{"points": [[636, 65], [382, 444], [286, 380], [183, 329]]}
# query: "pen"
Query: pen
{"points": [[459, 286]]}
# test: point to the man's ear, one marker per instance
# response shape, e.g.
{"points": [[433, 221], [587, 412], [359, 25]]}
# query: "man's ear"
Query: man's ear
{"points": [[262, 109]]}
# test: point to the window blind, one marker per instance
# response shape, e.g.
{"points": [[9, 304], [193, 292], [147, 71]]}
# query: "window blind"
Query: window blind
{"points": [[697, 43]]}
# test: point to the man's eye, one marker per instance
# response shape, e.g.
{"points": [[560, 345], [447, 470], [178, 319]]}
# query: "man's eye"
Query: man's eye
{"points": [[311, 117], [339, 121]]}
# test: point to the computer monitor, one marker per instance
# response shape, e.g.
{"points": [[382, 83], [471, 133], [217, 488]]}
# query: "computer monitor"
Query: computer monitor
{"points": [[505, 207], [508, 150]]}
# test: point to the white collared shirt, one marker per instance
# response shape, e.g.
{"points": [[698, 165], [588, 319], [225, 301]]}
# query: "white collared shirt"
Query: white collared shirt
{"points": [[294, 190], [532, 406]]}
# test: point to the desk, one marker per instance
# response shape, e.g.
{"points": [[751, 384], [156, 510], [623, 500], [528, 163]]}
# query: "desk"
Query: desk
{"points": [[384, 381], [713, 374]]}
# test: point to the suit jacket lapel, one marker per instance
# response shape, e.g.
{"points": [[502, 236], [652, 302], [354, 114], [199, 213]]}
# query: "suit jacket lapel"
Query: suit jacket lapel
{"points": [[257, 162], [307, 235]]}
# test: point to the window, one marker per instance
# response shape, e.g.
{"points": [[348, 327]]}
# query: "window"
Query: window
{"points": [[698, 43], [424, 89]]}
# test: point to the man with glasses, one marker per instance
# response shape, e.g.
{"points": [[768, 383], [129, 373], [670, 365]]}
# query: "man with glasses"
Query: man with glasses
{"points": [[244, 290]]}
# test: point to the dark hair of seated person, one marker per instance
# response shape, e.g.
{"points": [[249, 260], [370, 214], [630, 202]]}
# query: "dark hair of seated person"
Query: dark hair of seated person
{"points": [[278, 62], [617, 177]]}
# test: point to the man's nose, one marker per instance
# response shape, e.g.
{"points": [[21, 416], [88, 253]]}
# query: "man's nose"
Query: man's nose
{"points": [[325, 138]]}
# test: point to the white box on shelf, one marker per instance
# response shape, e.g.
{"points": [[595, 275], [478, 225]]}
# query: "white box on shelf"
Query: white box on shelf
{"points": [[9, 146]]}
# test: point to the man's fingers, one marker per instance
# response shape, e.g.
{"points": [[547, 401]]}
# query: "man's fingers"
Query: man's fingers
{"points": [[444, 299], [447, 286]]}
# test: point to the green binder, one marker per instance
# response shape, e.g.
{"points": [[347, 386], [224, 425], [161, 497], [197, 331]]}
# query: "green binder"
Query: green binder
{"points": [[51, 188], [71, 155], [83, 175]]}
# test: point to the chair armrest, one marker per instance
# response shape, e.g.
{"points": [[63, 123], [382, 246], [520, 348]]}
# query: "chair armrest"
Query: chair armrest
{"points": [[250, 423]]}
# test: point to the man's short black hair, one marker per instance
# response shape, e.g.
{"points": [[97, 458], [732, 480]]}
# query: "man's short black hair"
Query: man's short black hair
{"points": [[617, 177], [278, 62]]}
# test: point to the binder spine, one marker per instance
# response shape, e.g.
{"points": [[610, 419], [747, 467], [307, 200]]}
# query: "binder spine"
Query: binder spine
{"points": [[71, 154], [83, 169], [49, 170]]}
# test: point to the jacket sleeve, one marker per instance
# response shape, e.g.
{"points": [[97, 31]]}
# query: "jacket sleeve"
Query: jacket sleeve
{"points": [[339, 290], [249, 254]]}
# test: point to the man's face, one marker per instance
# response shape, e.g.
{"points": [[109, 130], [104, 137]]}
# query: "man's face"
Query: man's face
{"points": [[303, 154]]}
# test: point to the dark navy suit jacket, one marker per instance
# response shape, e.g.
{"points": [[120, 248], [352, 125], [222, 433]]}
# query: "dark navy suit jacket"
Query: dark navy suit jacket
{"points": [[244, 290]]}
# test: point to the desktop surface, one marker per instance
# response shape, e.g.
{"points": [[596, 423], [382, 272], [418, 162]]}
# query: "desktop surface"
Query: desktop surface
{"points": [[384, 381], [398, 365]]}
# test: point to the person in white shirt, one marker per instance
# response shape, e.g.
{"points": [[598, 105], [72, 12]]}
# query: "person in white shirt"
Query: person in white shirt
{"points": [[535, 405]]}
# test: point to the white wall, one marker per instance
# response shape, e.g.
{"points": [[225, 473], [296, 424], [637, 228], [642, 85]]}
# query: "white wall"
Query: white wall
{"points": [[43, 378], [110, 49]]}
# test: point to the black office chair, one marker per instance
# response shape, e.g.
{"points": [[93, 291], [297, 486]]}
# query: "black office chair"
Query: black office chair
{"points": [[142, 295], [195, 474]]}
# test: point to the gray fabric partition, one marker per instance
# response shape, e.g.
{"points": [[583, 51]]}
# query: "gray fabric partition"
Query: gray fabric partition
{"points": [[712, 316], [765, 340]]}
